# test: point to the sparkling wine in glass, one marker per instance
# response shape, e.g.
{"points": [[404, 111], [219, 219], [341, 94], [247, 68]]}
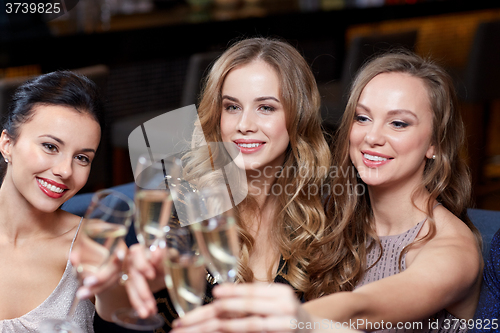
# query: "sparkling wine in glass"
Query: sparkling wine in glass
{"points": [[156, 182], [214, 224], [150, 204], [155, 177], [185, 272], [105, 224]]}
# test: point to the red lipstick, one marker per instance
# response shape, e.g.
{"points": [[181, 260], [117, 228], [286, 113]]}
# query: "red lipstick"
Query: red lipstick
{"points": [[248, 146], [48, 192]]}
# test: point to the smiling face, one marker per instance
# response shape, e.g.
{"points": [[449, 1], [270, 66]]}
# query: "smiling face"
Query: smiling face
{"points": [[50, 160], [390, 138], [253, 117]]}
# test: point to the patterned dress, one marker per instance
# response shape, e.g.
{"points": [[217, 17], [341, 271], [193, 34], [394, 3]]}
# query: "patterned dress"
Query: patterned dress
{"points": [[388, 265]]}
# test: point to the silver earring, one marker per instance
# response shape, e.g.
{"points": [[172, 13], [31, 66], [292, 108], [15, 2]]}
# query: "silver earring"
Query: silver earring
{"points": [[6, 161], [433, 157]]}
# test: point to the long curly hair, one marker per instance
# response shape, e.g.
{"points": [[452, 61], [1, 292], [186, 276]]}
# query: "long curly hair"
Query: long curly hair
{"points": [[340, 258], [299, 217]]}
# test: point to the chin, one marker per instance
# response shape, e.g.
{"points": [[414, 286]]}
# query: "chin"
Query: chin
{"points": [[377, 182], [48, 205], [48, 208], [241, 165]]}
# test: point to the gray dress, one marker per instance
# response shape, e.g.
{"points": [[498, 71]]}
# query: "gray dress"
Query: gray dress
{"points": [[56, 306], [388, 265]]}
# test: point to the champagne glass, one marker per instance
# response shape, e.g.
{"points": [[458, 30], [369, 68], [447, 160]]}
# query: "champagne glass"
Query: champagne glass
{"points": [[214, 224], [106, 222], [156, 182], [184, 269], [155, 176]]}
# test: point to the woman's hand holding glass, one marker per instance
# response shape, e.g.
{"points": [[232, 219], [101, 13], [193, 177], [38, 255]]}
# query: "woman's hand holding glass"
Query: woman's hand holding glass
{"points": [[155, 176], [98, 252], [273, 308], [145, 276]]}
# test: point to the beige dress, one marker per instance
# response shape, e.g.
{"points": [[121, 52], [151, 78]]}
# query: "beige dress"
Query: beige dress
{"points": [[56, 306], [442, 322]]}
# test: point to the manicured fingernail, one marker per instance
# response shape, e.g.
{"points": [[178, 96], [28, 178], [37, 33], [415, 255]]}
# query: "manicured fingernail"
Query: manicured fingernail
{"points": [[83, 293], [89, 281], [120, 254], [143, 313]]}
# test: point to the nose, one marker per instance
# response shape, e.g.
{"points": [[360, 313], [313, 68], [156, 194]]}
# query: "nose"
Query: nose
{"points": [[247, 122], [375, 135], [64, 167]]}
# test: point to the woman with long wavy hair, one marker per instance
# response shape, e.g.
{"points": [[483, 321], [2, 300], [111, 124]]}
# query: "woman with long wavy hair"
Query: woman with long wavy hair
{"points": [[279, 173], [260, 97], [400, 253]]}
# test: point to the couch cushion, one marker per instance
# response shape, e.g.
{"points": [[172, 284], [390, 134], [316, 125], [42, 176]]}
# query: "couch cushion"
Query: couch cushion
{"points": [[79, 203], [488, 222]]}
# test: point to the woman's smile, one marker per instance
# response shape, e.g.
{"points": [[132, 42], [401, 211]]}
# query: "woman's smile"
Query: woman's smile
{"points": [[51, 188]]}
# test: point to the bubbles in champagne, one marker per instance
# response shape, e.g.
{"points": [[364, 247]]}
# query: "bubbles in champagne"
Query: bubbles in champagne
{"points": [[149, 221]]}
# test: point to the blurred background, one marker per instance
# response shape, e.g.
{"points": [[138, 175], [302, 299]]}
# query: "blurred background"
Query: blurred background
{"points": [[149, 56]]}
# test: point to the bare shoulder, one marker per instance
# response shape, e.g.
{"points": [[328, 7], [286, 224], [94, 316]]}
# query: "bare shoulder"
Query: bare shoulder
{"points": [[451, 229], [454, 246]]}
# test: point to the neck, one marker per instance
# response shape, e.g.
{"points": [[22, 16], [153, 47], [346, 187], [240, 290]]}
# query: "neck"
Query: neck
{"points": [[397, 209], [260, 186]]}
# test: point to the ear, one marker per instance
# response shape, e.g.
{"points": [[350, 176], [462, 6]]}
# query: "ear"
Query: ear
{"points": [[430, 152], [6, 144]]}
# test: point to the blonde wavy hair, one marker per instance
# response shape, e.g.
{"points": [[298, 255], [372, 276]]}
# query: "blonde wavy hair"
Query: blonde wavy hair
{"points": [[340, 258], [299, 218]]}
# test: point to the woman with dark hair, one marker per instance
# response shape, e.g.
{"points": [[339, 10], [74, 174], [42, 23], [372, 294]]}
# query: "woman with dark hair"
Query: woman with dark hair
{"points": [[400, 253], [49, 139]]}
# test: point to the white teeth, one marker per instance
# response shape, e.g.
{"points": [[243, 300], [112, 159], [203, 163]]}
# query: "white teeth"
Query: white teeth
{"points": [[50, 187], [374, 158], [249, 145]]}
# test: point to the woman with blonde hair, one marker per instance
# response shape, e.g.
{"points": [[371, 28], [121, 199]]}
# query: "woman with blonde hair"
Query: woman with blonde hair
{"points": [[278, 217], [400, 253], [259, 98]]}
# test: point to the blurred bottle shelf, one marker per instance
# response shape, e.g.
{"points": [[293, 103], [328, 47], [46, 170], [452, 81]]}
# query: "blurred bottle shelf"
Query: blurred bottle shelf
{"points": [[97, 16]]}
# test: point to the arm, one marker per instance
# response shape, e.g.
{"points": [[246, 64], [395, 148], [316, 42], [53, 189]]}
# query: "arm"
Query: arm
{"points": [[110, 295], [443, 274]]}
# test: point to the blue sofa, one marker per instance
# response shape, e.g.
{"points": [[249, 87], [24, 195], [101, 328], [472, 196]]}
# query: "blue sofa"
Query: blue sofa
{"points": [[79, 203]]}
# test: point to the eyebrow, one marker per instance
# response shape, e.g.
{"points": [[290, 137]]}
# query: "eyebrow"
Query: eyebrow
{"points": [[393, 112], [258, 99], [61, 142]]}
